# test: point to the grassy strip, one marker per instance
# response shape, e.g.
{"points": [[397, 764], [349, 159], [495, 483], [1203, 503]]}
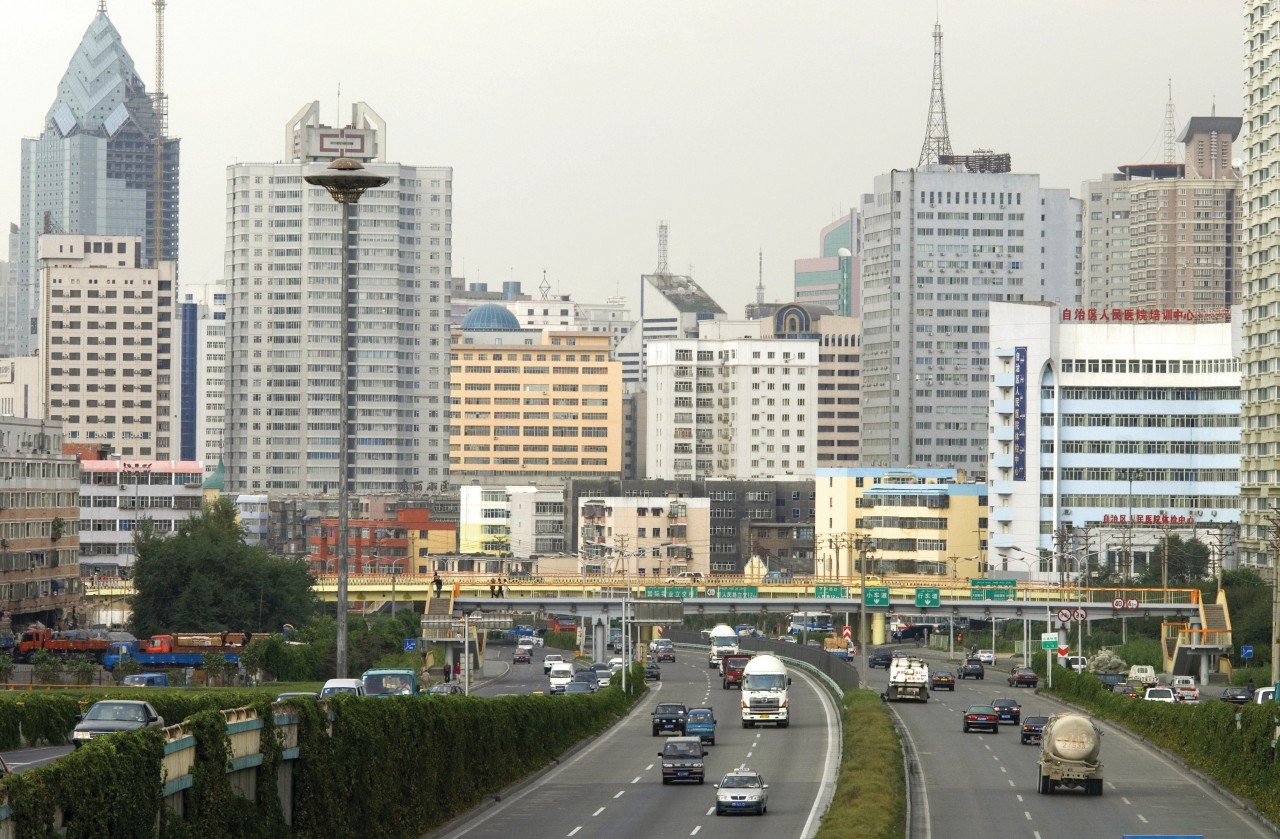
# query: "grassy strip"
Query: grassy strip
{"points": [[871, 791]]}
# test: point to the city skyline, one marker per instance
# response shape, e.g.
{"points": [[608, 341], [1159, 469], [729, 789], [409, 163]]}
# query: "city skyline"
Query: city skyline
{"points": [[627, 115]]}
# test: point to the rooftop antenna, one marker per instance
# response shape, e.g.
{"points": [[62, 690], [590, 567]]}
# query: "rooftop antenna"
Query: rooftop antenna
{"points": [[662, 249], [760, 282], [545, 287], [338, 104], [102, 7], [1170, 134], [937, 139]]}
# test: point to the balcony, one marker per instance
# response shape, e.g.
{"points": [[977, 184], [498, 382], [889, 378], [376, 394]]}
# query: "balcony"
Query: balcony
{"points": [[1002, 461], [1003, 433], [1004, 379], [1002, 514], [1003, 406]]}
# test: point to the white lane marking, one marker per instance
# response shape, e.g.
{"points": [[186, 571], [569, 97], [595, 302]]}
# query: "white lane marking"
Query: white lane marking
{"points": [[1004, 770], [647, 768], [1027, 813], [711, 811], [1126, 801], [749, 754], [575, 830], [620, 792], [1036, 834], [597, 812], [695, 830], [636, 779], [1011, 783], [830, 763], [1142, 818], [1019, 798]]}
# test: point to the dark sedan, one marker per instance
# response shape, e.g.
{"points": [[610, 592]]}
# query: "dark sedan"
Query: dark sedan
{"points": [[652, 672], [1008, 709], [112, 715], [666, 654], [1032, 728], [1023, 677], [880, 658], [521, 656], [1127, 690], [942, 680], [1236, 695], [972, 669], [981, 716]]}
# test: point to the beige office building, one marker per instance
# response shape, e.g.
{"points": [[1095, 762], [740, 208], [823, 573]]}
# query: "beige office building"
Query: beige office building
{"points": [[529, 404], [108, 334], [1260, 330], [1167, 235]]}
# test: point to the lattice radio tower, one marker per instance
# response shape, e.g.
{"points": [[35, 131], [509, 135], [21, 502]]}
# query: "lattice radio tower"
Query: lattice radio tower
{"points": [[937, 140], [1170, 132]]}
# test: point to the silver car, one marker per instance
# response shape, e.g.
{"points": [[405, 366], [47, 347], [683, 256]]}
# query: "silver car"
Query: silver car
{"points": [[742, 791]]}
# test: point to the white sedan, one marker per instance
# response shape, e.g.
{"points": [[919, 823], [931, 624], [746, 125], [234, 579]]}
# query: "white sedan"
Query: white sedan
{"points": [[987, 657]]}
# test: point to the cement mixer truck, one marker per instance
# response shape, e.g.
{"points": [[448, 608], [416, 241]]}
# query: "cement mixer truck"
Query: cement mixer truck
{"points": [[1069, 749]]}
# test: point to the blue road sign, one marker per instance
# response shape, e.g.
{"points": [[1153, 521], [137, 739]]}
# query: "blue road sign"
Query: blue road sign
{"points": [[1246, 651], [410, 644]]}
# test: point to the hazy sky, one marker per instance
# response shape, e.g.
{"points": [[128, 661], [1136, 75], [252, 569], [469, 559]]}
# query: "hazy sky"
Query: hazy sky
{"points": [[574, 126]]}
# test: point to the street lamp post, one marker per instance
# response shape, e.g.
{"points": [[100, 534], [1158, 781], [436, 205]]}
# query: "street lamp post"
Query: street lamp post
{"points": [[346, 180], [864, 547]]}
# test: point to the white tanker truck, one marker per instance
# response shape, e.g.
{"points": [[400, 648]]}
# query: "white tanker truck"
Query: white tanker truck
{"points": [[1069, 749]]}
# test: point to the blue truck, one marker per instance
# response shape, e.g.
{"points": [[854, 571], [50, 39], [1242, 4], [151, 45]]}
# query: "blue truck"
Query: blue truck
{"points": [[131, 650]]}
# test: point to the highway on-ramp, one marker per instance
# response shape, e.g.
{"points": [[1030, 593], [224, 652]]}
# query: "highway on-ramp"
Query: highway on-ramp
{"points": [[612, 786]]}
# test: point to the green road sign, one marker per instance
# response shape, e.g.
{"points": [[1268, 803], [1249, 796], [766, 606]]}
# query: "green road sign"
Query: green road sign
{"points": [[926, 597], [1049, 641], [876, 596], [668, 592], [992, 589], [830, 591], [737, 591]]}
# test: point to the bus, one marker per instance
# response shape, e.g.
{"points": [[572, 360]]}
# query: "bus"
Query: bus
{"points": [[798, 622]]}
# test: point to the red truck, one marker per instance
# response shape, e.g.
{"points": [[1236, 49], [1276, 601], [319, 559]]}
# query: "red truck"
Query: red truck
{"points": [[732, 666], [72, 642]]}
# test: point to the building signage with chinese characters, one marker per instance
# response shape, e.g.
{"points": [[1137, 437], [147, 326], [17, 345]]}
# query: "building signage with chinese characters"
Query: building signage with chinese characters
{"points": [[1020, 413], [1162, 518], [1146, 315]]}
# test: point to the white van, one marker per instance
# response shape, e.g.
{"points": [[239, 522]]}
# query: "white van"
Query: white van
{"points": [[354, 687], [560, 675], [1264, 695]]}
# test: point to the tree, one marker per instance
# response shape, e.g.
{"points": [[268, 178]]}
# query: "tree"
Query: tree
{"points": [[205, 578], [1187, 563]]}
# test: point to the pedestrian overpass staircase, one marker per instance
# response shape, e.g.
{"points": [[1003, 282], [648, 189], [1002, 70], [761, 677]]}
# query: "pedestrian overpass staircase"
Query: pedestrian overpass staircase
{"points": [[1191, 648]]}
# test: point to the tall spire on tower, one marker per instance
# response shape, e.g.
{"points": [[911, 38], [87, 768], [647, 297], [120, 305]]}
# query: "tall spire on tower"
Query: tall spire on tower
{"points": [[1170, 129], [937, 141]]}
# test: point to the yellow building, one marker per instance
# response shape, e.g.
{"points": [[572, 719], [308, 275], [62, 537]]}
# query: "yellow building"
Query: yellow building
{"points": [[916, 521], [525, 403]]}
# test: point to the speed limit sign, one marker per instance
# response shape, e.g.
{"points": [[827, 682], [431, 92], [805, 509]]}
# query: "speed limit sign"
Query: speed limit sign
{"points": [[1118, 603]]}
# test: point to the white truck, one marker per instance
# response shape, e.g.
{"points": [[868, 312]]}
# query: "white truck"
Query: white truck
{"points": [[908, 679], [1069, 749], [724, 641], [764, 692]]}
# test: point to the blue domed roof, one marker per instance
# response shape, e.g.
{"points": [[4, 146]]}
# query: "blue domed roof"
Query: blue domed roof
{"points": [[490, 318]]}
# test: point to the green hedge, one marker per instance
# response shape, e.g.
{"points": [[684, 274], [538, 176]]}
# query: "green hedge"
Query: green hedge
{"points": [[394, 767], [870, 800], [1238, 756]]}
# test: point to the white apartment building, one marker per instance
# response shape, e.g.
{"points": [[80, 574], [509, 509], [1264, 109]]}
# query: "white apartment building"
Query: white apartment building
{"points": [[109, 339], [731, 405], [1260, 302], [204, 369], [648, 537], [1116, 433], [116, 494], [282, 272], [939, 245], [671, 306]]}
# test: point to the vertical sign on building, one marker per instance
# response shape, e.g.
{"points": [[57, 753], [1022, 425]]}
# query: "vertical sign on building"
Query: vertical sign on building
{"points": [[1020, 413]]}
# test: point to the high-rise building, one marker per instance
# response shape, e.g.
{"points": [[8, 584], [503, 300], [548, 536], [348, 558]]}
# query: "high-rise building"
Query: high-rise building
{"points": [[1260, 330], [530, 404], [282, 273], [108, 345], [1108, 436], [1166, 235], [939, 244], [92, 171], [204, 368], [831, 279], [731, 404], [671, 306]]}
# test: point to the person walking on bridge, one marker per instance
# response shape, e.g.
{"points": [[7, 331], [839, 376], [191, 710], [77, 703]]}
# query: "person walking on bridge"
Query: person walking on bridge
{"points": [[438, 583]]}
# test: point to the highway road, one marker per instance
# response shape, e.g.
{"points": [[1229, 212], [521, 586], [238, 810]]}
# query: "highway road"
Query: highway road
{"points": [[977, 785], [612, 787]]}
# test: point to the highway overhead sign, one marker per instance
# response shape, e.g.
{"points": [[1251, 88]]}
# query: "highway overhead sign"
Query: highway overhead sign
{"points": [[927, 597], [830, 591], [876, 596]]}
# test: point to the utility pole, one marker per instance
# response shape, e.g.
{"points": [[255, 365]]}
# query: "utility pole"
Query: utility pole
{"points": [[1273, 518], [863, 543]]}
